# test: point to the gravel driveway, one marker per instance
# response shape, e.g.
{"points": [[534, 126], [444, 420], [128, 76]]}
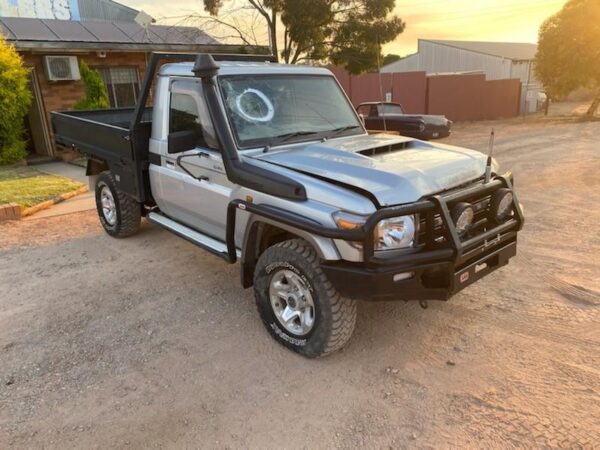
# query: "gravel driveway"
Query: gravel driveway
{"points": [[150, 342]]}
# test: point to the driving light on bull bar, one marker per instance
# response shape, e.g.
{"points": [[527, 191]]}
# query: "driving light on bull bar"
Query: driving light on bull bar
{"points": [[395, 233], [463, 215], [501, 206]]}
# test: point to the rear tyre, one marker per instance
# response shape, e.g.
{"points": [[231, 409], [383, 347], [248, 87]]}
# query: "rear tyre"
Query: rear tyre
{"points": [[119, 214], [298, 305]]}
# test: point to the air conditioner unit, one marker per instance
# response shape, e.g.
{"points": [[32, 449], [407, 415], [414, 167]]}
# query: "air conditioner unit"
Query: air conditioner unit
{"points": [[62, 68]]}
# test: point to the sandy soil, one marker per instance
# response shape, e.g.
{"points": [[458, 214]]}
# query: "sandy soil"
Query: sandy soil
{"points": [[149, 342]]}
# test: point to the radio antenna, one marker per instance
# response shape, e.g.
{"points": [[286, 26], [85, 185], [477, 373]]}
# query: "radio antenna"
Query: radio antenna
{"points": [[381, 86], [488, 166]]}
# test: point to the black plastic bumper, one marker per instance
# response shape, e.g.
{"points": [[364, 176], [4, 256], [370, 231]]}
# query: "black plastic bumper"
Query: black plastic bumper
{"points": [[430, 279]]}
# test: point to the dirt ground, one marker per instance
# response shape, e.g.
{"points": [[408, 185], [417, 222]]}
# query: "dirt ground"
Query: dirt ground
{"points": [[150, 342]]}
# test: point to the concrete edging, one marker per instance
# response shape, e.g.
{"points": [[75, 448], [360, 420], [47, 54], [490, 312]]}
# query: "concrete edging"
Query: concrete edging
{"points": [[12, 211]]}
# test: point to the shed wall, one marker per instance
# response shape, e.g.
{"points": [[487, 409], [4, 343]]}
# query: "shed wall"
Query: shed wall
{"points": [[525, 71], [436, 58], [408, 64]]}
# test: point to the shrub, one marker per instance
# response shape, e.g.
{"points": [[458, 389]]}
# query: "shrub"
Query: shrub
{"points": [[15, 99], [13, 153], [96, 95]]}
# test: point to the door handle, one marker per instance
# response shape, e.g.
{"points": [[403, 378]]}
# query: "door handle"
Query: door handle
{"points": [[170, 164]]}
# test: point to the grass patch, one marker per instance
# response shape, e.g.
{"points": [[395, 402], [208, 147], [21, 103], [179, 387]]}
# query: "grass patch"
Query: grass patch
{"points": [[28, 186]]}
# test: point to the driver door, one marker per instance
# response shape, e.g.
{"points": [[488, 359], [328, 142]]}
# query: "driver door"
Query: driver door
{"points": [[204, 190]]}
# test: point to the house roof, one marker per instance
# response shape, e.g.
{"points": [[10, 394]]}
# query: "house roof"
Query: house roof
{"points": [[100, 35], [508, 50]]}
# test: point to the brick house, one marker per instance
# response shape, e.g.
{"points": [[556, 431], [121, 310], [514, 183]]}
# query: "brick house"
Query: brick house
{"points": [[118, 49]]}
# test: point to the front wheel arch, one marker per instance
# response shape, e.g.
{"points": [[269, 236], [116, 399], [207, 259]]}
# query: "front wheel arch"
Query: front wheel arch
{"points": [[263, 233], [259, 237]]}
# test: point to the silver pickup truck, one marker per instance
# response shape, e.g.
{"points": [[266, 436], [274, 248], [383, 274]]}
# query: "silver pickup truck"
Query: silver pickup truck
{"points": [[269, 165]]}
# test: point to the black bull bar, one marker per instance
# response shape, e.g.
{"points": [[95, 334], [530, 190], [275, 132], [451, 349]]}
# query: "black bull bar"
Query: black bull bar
{"points": [[458, 250]]}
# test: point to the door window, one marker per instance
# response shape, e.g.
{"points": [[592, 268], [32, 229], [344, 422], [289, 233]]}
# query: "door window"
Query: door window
{"points": [[184, 114], [188, 112]]}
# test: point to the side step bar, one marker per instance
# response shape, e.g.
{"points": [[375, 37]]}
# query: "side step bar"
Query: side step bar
{"points": [[203, 241]]}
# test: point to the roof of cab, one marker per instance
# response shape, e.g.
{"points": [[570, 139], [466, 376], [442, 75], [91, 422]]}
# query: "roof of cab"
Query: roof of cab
{"points": [[245, 68]]}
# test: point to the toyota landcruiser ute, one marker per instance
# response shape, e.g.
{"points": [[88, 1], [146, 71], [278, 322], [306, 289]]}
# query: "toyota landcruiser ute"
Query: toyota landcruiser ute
{"points": [[270, 166]]}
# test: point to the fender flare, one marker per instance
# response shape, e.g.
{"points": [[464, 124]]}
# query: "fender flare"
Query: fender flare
{"points": [[325, 247]]}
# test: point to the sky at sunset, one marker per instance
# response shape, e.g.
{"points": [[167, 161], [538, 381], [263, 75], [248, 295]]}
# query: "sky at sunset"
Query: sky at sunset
{"points": [[482, 20]]}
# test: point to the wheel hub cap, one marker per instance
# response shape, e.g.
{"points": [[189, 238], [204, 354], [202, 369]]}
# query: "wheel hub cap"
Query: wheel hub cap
{"points": [[292, 302], [109, 209]]}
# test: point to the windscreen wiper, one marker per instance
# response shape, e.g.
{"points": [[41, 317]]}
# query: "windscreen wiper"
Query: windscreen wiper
{"points": [[287, 136], [340, 130]]}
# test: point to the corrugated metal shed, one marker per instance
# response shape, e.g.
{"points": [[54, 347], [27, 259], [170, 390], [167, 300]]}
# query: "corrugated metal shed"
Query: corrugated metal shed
{"points": [[105, 10], [508, 50], [63, 34], [498, 60]]}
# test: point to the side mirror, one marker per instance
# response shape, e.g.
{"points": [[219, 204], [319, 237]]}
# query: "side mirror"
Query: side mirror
{"points": [[180, 141]]}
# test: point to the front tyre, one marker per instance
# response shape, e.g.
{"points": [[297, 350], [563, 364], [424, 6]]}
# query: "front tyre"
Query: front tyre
{"points": [[298, 305], [119, 214]]}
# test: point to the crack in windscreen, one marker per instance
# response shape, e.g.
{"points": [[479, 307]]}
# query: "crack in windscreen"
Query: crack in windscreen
{"points": [[273, 109]]}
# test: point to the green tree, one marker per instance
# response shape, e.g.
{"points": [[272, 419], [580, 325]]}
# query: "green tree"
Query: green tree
{"points": [[96, 95], [390, 58], [568, 54], [15, 99], [343, 32]]}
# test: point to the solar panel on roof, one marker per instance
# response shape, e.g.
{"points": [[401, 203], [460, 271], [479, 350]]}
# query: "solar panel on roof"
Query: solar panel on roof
{"points": [[180, 35], [68, 30], [162, 33], [29, 29], [49, 30], [137, 34], [106, 32], [4, 31]]}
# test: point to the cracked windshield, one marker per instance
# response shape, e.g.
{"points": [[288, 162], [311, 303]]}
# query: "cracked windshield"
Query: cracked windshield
{"points": [[271, 110]]}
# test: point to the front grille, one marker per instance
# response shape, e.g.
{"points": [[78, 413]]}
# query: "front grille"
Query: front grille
{"points": [[432, 230]]}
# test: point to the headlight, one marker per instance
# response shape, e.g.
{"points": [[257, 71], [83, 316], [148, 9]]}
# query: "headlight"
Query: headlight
{"points": [[395, 233], [463, 215], [501, 206]]}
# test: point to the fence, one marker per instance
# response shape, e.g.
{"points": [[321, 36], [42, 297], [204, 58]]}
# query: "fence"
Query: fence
{"points": [[459, 97], [408, 88]]}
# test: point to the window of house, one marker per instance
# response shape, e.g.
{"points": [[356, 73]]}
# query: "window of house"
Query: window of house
{"points": [[122, 84]]}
